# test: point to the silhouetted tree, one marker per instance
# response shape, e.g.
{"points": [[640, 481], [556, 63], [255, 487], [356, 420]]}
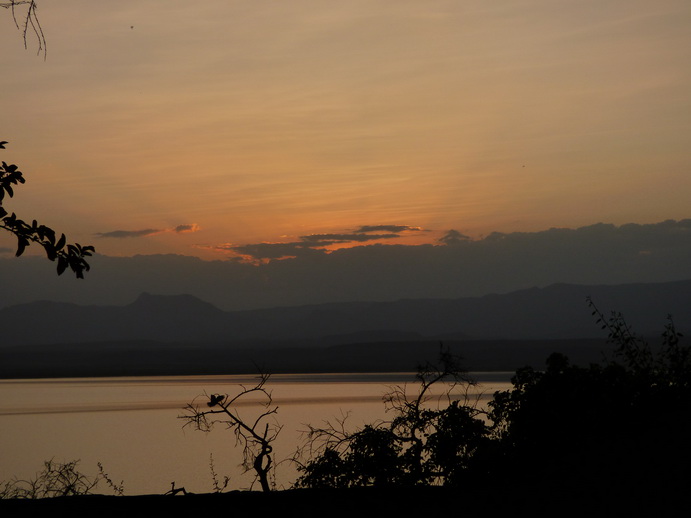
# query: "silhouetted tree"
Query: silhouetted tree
{"points": [[430, 440], [254, 436], [623, 424], [620, 427], [57, 249]]}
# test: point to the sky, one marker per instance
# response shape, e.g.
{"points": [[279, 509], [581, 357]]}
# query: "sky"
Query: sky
{"points": [[258, 130]]}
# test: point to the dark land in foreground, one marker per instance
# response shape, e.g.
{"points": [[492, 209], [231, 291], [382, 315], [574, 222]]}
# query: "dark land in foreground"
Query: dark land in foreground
{"points": [[518, 498]]}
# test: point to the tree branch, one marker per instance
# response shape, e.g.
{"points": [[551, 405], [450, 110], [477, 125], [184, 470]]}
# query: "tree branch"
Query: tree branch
{"points": [[29, 20]]}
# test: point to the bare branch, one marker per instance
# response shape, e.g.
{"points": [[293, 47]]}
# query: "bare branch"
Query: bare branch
{"points": [[254, 437], [29, 22]]}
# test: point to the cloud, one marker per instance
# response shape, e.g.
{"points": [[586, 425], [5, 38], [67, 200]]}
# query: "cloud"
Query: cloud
{"points": [[5, 250], [304, 272], [387, 228], [260, 251], [327, 239], [311, 243], [453, 237], [121, 234], [183, 229], [498, 263]]}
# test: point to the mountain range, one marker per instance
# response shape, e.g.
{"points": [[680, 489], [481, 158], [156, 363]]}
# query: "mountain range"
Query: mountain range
{"points": [[559, 311], [182, 334]]}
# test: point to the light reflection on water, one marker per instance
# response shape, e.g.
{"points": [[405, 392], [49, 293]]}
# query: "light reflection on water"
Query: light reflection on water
{"points": [[130, 425]]}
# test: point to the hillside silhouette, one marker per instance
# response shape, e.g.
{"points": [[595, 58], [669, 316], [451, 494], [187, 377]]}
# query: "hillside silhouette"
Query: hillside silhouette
{"points": [[558, 311], [178, 334]]}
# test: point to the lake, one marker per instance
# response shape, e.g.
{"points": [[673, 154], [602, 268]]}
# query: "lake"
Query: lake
{"points": [[131, 425]]}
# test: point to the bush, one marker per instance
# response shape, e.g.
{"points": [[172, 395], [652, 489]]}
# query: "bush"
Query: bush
{"points": [[431, 440], [56, 479], [621, 424], [624, 423]]}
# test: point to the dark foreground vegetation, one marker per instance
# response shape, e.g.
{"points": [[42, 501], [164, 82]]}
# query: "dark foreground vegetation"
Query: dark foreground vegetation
{"points": [[610, 437]]}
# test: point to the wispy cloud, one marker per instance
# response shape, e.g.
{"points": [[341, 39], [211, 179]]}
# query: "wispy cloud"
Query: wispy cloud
{"points": [[328, 239], [387, 228], [121, 234], [5, 250], [263, 251], [314, 243], [183, 229]]}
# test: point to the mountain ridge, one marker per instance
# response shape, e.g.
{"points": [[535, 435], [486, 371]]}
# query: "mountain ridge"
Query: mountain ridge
{"points": [[557, 311]]}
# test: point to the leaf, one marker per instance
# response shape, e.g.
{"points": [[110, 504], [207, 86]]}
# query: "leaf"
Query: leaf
{"points": [[22, 243], [49, 233], [51, 252], [62, 265], [61, 242]]}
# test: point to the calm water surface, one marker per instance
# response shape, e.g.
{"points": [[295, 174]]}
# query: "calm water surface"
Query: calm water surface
{"points": [[131, 425]]}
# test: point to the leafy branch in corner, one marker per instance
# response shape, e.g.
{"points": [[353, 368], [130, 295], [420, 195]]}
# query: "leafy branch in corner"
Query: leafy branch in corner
{"points": [[67, 255]]}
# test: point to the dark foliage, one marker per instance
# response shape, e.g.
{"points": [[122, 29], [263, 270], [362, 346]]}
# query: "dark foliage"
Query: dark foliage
{"points": [[622, 426], [67, 255], [624, 423], [431, 439]]}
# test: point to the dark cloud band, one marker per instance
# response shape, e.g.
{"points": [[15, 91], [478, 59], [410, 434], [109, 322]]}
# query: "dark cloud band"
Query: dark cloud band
{"points": [[314, 243], [327, 239], [121, 234], [387, 228]]}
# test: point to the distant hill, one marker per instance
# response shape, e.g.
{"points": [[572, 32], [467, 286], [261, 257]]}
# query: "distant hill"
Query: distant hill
{"points": [[558, 311], [157, 335]]}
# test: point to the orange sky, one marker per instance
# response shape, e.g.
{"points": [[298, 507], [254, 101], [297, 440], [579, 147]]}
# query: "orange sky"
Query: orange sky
{"points": [[253, 122]]}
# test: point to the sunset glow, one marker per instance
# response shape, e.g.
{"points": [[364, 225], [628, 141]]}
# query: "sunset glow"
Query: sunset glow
{"points": [[193, 128]]}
